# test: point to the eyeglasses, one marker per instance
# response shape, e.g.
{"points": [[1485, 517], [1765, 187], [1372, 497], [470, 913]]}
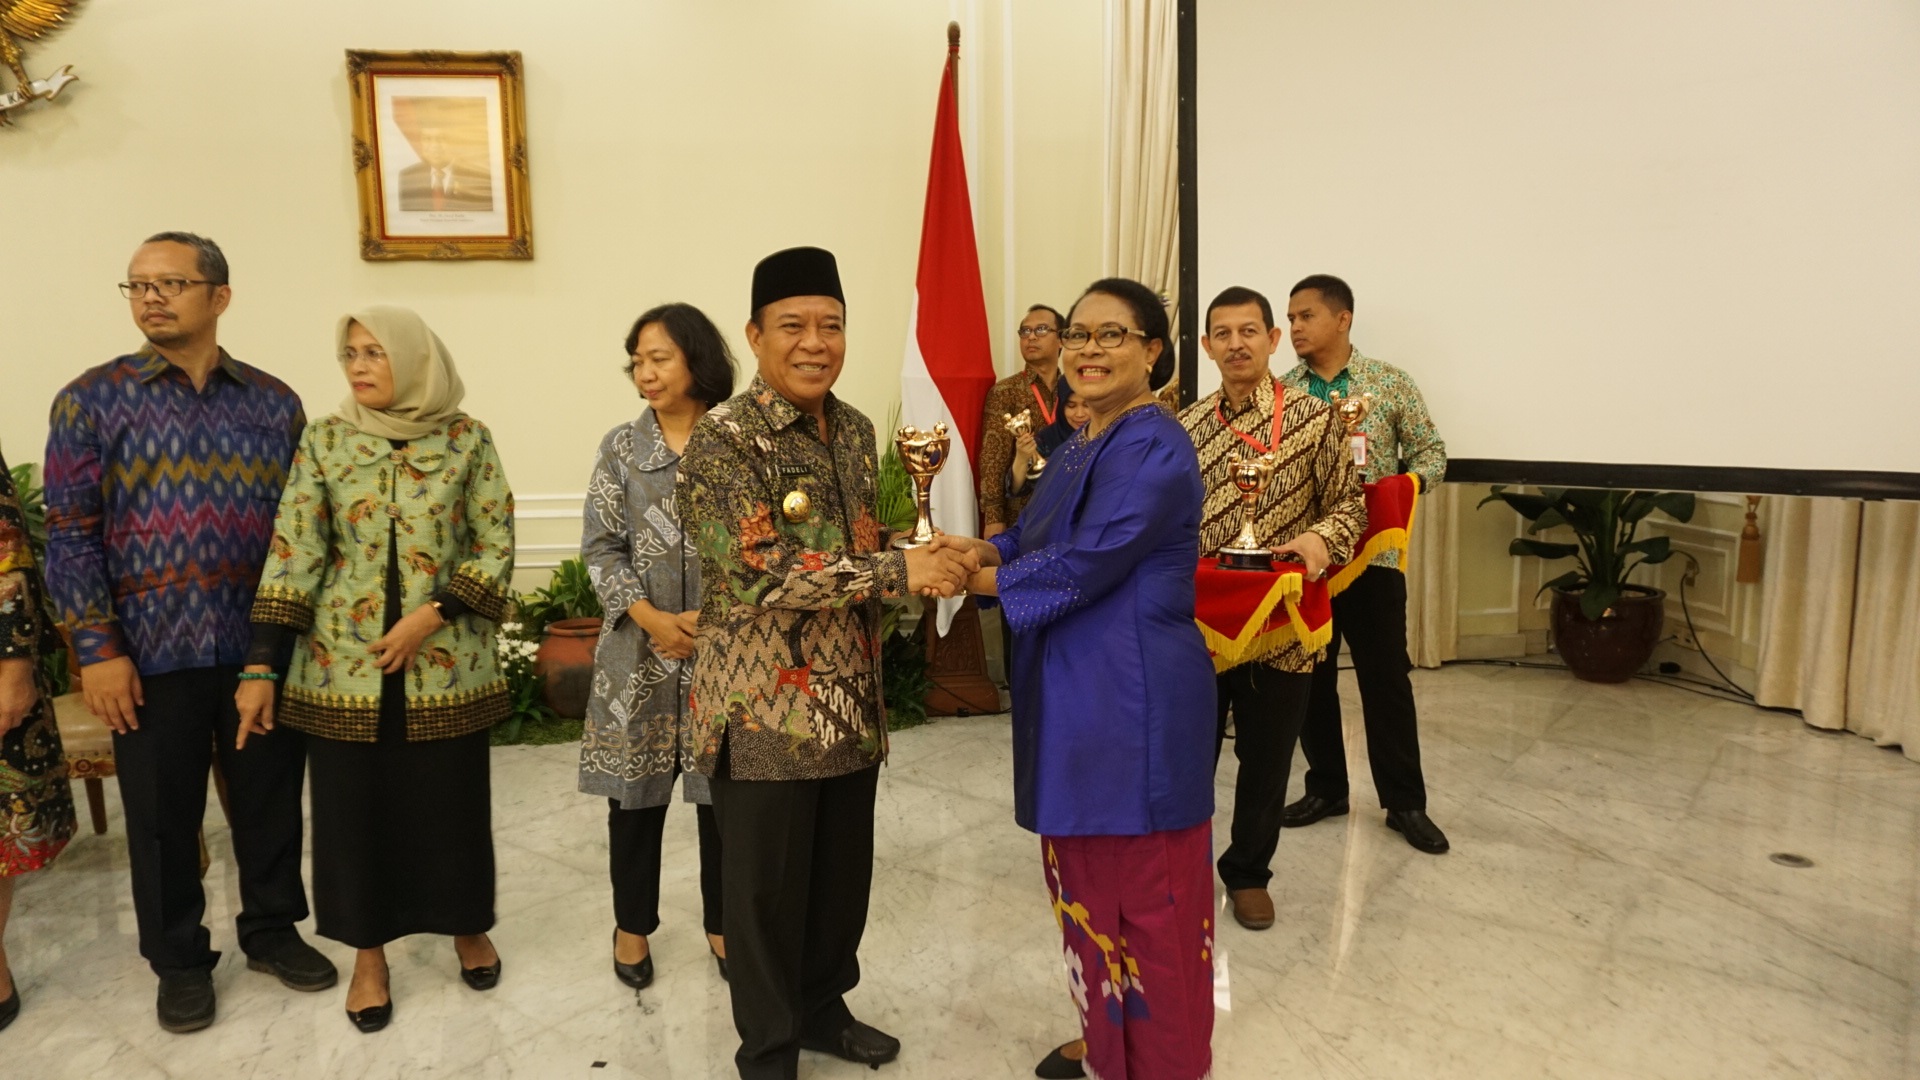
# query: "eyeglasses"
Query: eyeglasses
{"points": [[1109, 337], [1036, 331], [167, 288]]}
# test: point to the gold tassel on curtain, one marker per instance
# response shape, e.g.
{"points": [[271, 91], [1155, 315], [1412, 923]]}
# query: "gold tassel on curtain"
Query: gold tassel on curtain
{"points": [[1747, 570]]}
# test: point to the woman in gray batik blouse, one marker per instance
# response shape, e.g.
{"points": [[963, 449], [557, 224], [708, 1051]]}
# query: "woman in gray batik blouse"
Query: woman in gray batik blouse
{"points": [[638, 737]]}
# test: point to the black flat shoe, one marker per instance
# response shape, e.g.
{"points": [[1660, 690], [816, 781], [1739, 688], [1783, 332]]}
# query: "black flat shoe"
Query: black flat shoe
{"points": [[1309, 809], [1419, 830], [858, 1043], [298, 965], [186, 1001], [10, 1008], [638, 976], [373, 1017], [721, 963], [1058, 1066], [484, 977]]}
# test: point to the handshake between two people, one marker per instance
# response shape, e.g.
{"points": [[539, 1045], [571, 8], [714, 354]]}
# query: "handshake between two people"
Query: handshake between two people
{"points": [[952, 566]]}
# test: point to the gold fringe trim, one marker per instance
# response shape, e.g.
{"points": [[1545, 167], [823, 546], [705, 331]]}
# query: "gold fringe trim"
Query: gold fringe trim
{"points": [[1254, 643], [1397, 540], [487, 599], [356, 717], [282, 606]]}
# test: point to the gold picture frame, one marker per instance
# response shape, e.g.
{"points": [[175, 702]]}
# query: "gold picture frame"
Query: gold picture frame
{"points": [[440, 155]]}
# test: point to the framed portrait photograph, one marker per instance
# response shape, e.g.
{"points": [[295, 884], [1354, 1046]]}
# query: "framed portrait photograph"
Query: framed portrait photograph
{"points": [[440, 155]]}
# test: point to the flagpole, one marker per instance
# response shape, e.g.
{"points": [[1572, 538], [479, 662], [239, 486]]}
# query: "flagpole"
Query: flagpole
{"points": [[953, 59]]}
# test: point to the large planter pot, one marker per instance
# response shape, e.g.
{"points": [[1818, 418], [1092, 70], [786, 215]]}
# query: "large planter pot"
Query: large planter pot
{"points": [[1611, 648], [565, 658]]}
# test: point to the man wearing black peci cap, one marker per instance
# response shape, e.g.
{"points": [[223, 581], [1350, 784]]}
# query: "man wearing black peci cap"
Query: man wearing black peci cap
{"points": [[780, 481]]}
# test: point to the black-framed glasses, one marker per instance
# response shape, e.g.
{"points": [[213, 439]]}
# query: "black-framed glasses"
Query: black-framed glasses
{"points": [[1109, 337], [1036, 331], [167, 288]]}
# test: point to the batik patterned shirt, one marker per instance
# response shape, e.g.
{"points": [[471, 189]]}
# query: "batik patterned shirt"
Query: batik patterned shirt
{"points": [[1400, 434], [786, 668], [442, 503], [1314, 488], [160, 502]]}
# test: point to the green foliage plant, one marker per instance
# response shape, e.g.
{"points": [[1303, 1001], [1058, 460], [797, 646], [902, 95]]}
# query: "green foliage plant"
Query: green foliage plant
{"points": [[1605, 524], [569, 595], [33, 506]]}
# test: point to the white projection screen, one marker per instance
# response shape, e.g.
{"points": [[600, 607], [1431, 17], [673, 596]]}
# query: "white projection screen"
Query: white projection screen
{"points": [[1676, 233]]}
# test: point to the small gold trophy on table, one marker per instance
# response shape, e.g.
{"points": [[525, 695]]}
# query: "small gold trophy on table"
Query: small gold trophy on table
{"points": [[1017, 424], [1353, 412], [922, 453], [1250, 475]]}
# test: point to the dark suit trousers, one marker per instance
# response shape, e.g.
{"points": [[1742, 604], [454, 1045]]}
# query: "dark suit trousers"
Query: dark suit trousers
{"points": [[1371, 616], [633, 859], [796, 869], [162, 768], [1268, 708]]}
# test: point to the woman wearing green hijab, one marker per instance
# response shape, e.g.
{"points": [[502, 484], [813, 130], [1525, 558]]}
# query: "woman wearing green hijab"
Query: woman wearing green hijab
{"points": [[384, 586]]}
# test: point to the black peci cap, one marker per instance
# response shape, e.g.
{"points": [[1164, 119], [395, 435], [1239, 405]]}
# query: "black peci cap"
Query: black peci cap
{"points": [[800, 271]]}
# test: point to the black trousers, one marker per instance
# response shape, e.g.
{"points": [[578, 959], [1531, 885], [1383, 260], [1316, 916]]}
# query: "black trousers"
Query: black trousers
{"points": [[797, 859], [1371, 615], [162, 767], [1268, 709], [633, 860]]}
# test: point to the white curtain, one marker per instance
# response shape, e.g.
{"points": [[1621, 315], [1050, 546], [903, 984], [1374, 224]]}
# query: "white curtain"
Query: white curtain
{"points": [[1433, 578], [1143, 162], [1840, 616]]}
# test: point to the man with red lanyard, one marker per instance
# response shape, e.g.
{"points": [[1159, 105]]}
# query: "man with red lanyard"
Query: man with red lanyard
{"points": [[1371, 613], [1031, 390], [1312, 511]]}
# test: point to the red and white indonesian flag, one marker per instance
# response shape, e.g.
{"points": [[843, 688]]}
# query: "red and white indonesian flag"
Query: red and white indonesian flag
{"points": [[949, 363]]}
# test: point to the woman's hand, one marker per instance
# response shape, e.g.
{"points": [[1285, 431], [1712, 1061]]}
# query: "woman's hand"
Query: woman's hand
{"points": [[978, 553], [254, 699], [396, 649], [18, 694], [1025, 450], [984, 581], [672, 635]]}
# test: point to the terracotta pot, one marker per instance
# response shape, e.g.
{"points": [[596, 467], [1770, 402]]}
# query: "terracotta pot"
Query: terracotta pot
{"points": [[1612, 648], [565, 657]]}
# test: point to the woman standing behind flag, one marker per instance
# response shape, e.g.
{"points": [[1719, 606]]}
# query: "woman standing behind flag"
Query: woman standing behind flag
{"points": [[1112, 763]]}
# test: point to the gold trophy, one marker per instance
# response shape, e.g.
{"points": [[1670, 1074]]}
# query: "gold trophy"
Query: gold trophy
{"points": [[922, 453], [1021, 422], [1353, 412], [1250, 475]]}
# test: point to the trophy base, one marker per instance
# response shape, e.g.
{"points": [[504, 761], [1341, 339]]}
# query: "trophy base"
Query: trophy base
{"points": [[1260, 559], [908, 543]]}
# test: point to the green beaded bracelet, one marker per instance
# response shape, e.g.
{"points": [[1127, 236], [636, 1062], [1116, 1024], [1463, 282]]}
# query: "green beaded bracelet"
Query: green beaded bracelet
{"points": [[247, 675]]}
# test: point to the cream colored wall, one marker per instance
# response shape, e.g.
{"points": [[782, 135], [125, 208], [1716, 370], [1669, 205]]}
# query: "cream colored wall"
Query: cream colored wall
{"points": [[1499, 614], [672, 144]]}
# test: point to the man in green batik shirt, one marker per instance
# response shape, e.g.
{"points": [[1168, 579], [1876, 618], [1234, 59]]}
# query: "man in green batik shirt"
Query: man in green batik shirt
{"points": [[1371, 615]]}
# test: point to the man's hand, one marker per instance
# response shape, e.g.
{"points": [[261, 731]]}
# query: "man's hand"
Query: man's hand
{"points": [[254, 699], [112, 692], [978, 553], [1309, 548], [18, 693], [396, 648], [936, 570]]}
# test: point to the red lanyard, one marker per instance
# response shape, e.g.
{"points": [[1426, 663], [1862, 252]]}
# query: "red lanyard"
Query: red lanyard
{"points": [[1045, 413], [1278, 411]]}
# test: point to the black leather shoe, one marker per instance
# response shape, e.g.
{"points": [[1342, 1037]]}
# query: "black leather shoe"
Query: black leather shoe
{"points": [[639, 976], [186, 1001], [10, 1008], [1309, 809], [373, 1017], [1058, 1066], [485, 977], [1419, 830], [721, 963], [298, 965], [859, 1044]]}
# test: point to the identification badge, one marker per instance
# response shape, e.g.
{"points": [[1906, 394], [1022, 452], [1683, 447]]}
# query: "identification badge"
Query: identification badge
{"points": [[1359, 443]]}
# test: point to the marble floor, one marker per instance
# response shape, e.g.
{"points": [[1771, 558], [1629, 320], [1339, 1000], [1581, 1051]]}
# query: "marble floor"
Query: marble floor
{"points": [[1608, 911]]}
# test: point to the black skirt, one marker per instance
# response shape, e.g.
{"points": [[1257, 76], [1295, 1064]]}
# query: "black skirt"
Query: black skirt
{"points": [[402, 834]]}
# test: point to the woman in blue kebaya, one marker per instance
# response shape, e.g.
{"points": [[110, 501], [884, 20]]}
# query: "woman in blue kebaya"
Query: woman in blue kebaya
{"points": [[1113, 698]]}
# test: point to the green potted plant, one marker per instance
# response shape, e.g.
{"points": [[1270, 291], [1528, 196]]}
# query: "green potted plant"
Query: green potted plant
{"points": [[904, 682], [34, 507], [564, 617], [1604, 626]]}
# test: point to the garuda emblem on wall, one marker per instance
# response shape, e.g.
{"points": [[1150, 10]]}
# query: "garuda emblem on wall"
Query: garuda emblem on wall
{"points": [[30, 20]]}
